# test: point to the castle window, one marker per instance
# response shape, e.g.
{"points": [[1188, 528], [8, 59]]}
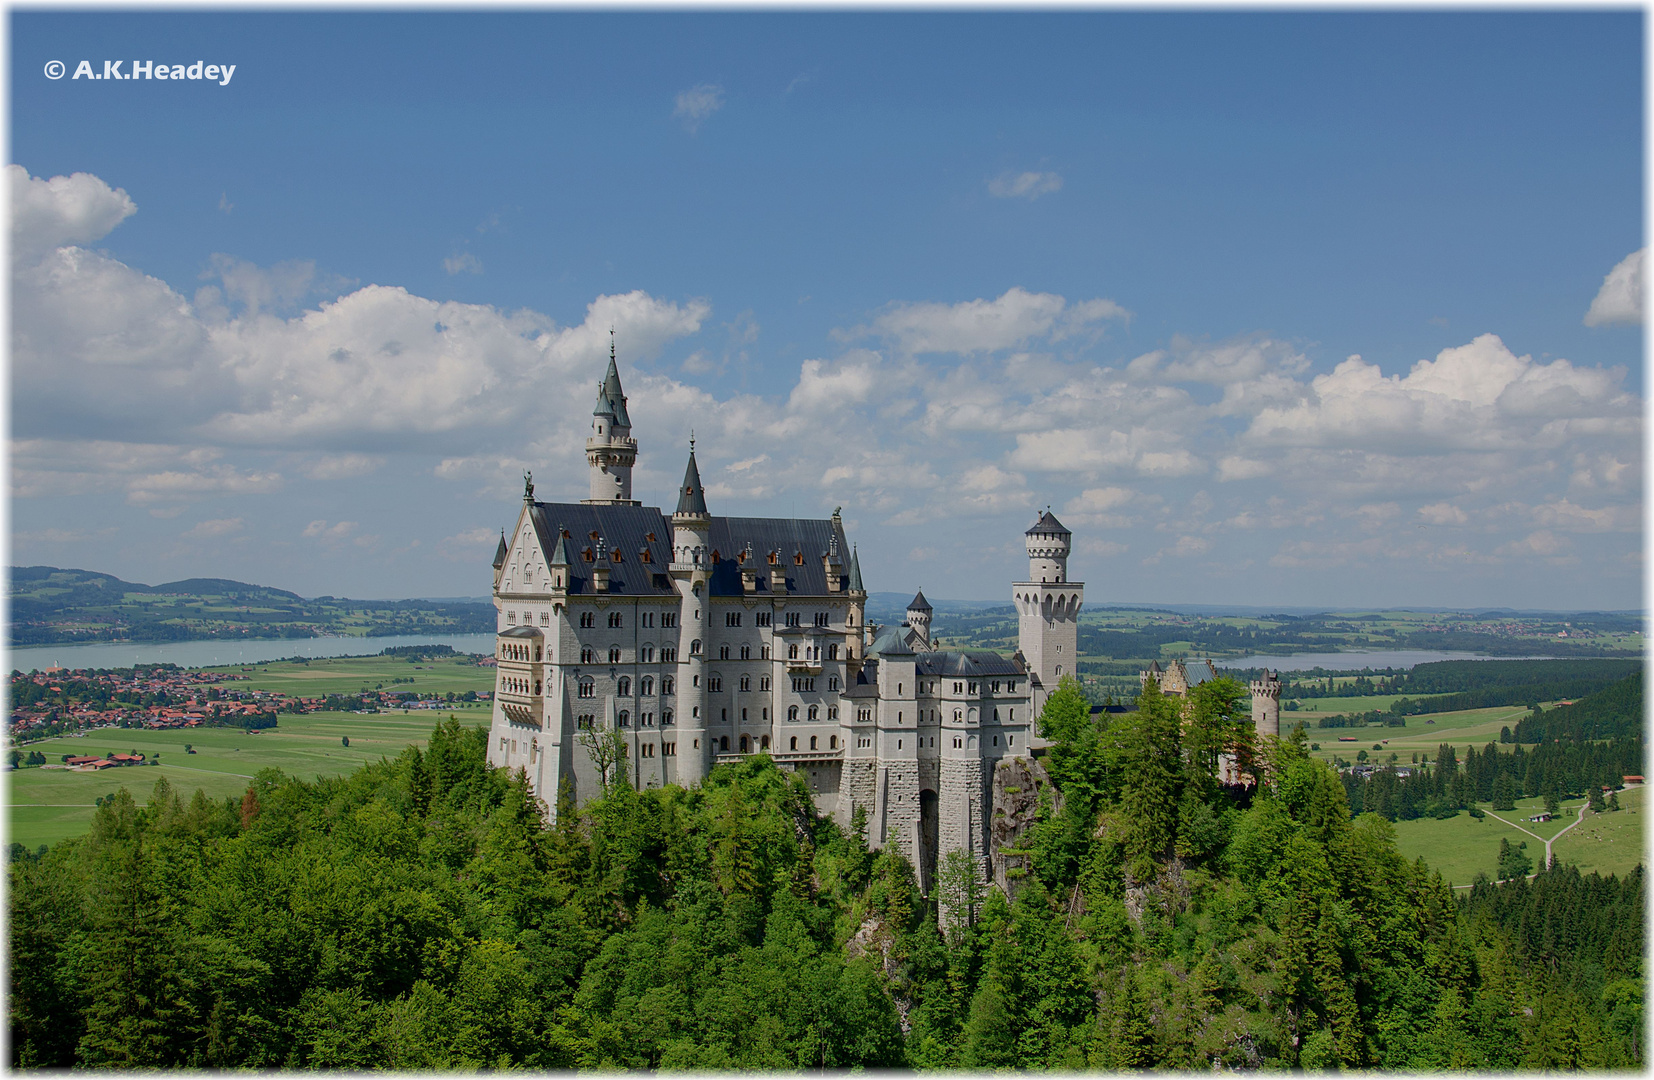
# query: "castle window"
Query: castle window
{"points": [[832, 742], [970, 742], [648, 618], [614, 654], [832, 652], [646, 719], [812, 742], [765, 714], [586, 554], [715, 684], [646, 654], [614, 620], [744, 744], [762, 619], [832, 712], [669, 618], [511, 618], [763, 684], [864, 741], [996, 740], [588, 688], [959, 688], [792, 652], [588, 655], [821, 618], [723, 743], [623, 718], [792, 744], [545, 618], [743, 716], [666, 719], [764, 652], [898, 746], [815, 714], [625, 687], [587, 620], [732, 618], [996, 720], [668, 655], [832, 682], [723, 652], [723, 715], [973, 688], [666, 684], [584, 722], [1010, 714], [764, 743], [792, 712], [957, 744], [746, 683], [746, 652], [669, 749], [646, 686], [695, 647], [792, 618], [798, 558]]}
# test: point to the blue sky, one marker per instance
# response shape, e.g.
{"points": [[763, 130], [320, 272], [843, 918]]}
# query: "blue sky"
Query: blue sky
{"points": [[941, 269]]}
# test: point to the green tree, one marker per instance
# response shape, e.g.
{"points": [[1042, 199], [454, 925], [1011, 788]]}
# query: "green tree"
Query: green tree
{"points": [[959, 890], [1504, 792], [1513, 861]]}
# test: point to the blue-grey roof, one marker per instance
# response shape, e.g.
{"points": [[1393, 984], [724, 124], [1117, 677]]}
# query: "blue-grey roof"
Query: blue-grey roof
{"points": [[500, 554], [625, 532], [611, 400], [855, 572], [919, 603], [973, 665], [691, 496], [891, 642], [1200, 671], [522, 631], [1048, 523], [788, 538]]}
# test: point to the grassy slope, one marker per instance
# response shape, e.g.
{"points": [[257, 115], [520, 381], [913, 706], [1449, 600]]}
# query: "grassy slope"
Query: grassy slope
{"points": [[1607, 843], [351, 676], [46, 805], [1460, 847]]}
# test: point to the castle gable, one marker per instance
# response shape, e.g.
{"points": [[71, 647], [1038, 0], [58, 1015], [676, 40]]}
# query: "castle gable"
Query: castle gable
{"points": [[787, 538], [622, 535]]}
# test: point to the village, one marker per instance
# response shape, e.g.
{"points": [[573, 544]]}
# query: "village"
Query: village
{"points": [[75, 702]]}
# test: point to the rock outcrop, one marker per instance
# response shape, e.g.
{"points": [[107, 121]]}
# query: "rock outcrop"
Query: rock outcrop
{"points": [[1020, 785]]}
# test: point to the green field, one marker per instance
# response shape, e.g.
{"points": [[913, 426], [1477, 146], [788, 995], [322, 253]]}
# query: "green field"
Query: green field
{"points": [[1461, 847], [1422, 734], [47, 805], [316, 678]]}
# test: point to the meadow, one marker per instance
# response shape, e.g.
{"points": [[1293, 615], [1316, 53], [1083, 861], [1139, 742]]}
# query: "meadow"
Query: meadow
{"points": [[352, 675], [47, 805], [1421, 734]]}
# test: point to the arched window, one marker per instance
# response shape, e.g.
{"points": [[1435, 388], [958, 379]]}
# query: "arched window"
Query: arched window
{"points": [[624, 719], [695, 647], [746, 652], [723, 652], [792, 712], [970, 742], [586, 619], [646, 685], [745, 745], [812, 742], [666, 684], [792, 744], [815, 713], [625, 687], [666, 718], [832, 742], [614, 654], [832, 652], [996, 716], [723, 743], [764, 743], [588, 688], [792, 652], [588, 655]]}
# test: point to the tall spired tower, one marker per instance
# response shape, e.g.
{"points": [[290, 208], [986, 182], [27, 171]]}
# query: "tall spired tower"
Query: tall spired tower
{"points": [[1048, 609], [610, 449]]}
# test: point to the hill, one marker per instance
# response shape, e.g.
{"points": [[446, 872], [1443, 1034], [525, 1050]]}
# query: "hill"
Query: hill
{"points": [[51, 605]]}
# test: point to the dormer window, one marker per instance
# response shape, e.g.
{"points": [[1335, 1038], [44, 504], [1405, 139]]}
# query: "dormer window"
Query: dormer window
{"points": [[798, 558], [586, 554]]}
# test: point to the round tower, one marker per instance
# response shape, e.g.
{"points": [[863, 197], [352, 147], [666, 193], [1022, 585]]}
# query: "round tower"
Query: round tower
{"points": [[1048, 543], [691, 571], [610, 449], [918, 616], [1266, 704]]}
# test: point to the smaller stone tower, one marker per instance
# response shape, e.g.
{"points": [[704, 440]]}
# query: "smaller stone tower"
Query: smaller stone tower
{"points": [[918, 617], [691, 571], [610, 449], [1266, 704], [1048, 609]]}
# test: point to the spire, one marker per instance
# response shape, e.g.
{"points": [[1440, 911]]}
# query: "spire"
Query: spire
{"points": [[855, 572], [611, 400], [919, 603], [559, 552], [691, 498], [499, 555]]}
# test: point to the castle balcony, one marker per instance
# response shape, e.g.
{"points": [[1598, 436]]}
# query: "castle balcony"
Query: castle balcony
{"points": [[802, 666], [520, 708], [785, 758]]}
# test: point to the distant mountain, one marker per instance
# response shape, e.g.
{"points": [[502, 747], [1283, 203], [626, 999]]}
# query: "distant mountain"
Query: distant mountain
{"points": [[52, 605]]}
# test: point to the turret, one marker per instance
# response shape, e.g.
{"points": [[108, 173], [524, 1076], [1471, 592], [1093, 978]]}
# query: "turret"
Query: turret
{"points": [[692, 575], [1266, 704], [1048, 544], [610, 450], [918, 616]]}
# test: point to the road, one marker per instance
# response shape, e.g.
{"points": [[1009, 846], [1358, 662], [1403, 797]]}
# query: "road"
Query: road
{"points": [[1560, 833]]}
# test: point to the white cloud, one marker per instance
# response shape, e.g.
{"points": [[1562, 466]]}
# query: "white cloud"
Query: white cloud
{"points": [[1443, 514], [48, 214], [213, 528], [976, 326], [1620, 300], [469, 546], [177, 486], [697, 103], [462, 263], [1025, 185], [343, 466], [1235, 467]]}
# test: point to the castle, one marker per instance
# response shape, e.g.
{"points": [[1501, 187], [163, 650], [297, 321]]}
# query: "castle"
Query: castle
{"points": [[700, 639]]}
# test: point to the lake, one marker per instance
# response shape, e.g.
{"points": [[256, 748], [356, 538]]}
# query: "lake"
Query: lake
{"points": [[1355, 661], [215, 653]]}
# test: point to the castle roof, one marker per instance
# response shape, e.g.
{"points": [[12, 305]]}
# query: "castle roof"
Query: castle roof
{"points": [[855, 572], [919, 603], [891, 642], [501, 552], [611, 400], [1048, 523], [973, 665], [691, 496]]}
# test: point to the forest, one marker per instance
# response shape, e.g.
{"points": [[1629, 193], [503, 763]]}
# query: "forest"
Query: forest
{"points": [[419, 914]]}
